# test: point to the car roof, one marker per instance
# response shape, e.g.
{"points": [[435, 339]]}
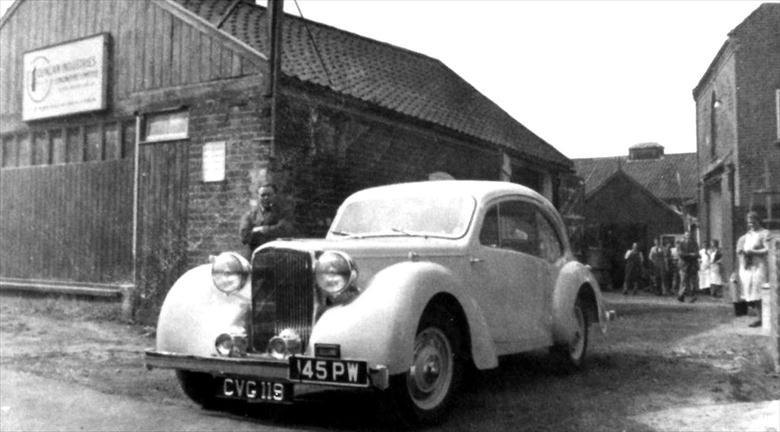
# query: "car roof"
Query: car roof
{"points": [[482, 190]]}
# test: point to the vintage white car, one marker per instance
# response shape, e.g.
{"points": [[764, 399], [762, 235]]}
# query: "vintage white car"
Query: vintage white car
{"points": [[413, 284]]}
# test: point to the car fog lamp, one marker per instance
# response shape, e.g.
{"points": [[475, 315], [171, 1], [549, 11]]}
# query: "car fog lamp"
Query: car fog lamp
{"points": [[292, 340], [229, 272], [224, 345], [286, 343], [277, 347], [233, 343], [335, 272]]}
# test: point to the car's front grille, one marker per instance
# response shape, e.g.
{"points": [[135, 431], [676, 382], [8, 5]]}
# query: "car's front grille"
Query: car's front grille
{"points": [[282, 295]]}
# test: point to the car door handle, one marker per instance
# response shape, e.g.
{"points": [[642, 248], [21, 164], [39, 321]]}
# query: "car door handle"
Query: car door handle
{"points": [[475, 260]]}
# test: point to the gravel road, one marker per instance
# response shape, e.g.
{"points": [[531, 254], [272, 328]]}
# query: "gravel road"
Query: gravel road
{"points": [[70, 365]]}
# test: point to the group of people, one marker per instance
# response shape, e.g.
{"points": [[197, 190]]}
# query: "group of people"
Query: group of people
{"points": [[674, 269], [683, 269]]}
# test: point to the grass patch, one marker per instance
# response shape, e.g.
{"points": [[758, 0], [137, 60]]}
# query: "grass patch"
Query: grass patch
{"points": [[60, 307]]}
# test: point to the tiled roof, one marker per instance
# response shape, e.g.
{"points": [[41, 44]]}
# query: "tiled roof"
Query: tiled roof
{"points": [[659, 176], [394, 78]]}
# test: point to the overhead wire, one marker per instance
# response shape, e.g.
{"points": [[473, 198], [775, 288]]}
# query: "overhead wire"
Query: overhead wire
{"points": [[314, 44]]}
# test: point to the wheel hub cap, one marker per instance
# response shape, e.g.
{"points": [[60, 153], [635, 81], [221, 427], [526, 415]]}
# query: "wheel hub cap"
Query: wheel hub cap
{"points": [[431, 373]]}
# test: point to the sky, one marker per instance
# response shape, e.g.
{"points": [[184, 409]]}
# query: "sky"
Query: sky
{"points": [[591, 78]]}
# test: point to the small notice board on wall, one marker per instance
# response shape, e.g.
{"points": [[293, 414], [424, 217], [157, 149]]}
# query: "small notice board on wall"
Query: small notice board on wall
{"points": [[214, 161]]}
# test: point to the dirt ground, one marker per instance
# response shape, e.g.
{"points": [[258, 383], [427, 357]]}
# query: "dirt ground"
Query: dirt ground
{"points": [[663, 365]]}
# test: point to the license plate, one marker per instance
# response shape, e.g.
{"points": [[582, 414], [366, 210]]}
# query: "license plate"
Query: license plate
{"points": [[329, 371], [253, 390]]}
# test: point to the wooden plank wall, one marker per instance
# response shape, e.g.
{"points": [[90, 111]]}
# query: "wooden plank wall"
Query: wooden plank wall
{"points": [[162, 222], [69, 222], [152, 49]]}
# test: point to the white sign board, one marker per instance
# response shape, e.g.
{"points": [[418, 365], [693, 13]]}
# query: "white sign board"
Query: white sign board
{"points": [[65, 79], [214, 161]]}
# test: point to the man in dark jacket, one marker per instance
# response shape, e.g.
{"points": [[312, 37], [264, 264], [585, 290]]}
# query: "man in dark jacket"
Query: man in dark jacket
{"points": [[265, 222], [634, 264], [689, 267], [658, 261]]}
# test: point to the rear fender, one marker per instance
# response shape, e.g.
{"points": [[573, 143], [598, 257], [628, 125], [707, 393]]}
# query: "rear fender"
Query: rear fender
{"points": [[575, 279], [380, 325]]}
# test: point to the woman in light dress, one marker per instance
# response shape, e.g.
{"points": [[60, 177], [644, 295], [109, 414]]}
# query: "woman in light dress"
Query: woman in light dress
{"points": [[716, 271], [753, 251], [704, 267]]}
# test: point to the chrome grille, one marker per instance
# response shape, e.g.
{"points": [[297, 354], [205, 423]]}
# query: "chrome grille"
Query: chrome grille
{"points": [[282, 295]]}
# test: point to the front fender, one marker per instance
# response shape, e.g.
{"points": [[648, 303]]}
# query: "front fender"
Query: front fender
{"points": [[571, 279], [194, 313], [380, 325]]}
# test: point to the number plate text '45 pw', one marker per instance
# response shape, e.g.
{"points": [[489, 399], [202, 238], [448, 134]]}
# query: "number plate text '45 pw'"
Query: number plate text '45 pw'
{"points": [[352, 373]]}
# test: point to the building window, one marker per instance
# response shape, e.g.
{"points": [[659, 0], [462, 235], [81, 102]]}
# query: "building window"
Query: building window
{"points": [[167, 126], [777, 111], [714, 105], [69, 144]]}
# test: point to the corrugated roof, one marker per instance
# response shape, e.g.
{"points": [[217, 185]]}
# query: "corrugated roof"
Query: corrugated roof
{"points": [[659, 176], [379, 73]]}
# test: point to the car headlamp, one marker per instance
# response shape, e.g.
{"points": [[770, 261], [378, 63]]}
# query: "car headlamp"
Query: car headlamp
{"points": [[229, 272], [335, 272]]}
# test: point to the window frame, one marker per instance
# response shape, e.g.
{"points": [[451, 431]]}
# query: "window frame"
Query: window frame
{"points": [[539, 211], [149, 137], [777, 112], [561, 245]]}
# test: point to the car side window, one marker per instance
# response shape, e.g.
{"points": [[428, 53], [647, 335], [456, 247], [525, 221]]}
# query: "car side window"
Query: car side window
{"points": [[550, 247], [517, 227], [489, 234]]}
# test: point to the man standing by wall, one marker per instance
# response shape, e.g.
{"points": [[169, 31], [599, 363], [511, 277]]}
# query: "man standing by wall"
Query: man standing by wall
{"points": [[689, 267], [658, 261], [265, 222]]}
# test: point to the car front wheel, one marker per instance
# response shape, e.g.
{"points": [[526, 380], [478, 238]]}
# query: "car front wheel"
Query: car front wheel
{"points": [[421, 394]]}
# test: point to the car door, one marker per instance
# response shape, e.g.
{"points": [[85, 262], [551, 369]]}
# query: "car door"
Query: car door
{"points": [[551, 260], [511, 276]]}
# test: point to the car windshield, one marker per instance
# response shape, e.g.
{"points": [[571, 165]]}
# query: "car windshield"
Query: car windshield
{"points": [[444, 215]]}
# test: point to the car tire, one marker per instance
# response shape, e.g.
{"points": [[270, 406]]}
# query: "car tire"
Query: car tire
{"points": [[570, 356], [199, 387], [422, 394]]}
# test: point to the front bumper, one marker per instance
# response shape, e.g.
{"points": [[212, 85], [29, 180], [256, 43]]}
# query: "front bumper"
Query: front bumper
{"points": [[250, 366]]}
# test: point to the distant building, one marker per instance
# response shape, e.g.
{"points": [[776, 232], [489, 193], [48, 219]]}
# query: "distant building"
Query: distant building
{"points": [[738, 130], [635, 198]]}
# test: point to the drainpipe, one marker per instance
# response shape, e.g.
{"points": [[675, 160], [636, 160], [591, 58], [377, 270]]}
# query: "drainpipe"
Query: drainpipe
{"points": [[130, 291]]}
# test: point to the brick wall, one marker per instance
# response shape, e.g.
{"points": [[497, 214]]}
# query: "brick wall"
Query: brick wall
{"points": [[240, 119], [757, 66], [744, 80], [329, 150], [716, 127]]}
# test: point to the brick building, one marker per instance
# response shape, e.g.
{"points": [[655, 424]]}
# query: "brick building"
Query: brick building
{"points": [[134, 133], [635, 198], [738, 130]]}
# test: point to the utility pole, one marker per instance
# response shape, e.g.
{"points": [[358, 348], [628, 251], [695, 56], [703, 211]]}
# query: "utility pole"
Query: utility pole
{"points": [[275, 14]]}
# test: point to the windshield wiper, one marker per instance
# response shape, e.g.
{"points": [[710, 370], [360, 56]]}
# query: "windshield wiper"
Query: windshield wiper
{"points": [[407, 233], [346, 234]]}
